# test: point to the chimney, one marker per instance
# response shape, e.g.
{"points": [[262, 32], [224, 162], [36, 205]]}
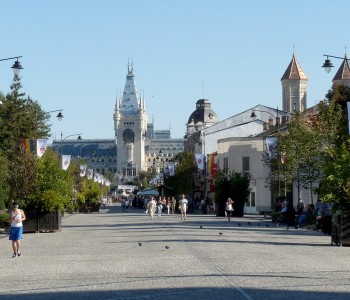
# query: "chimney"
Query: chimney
{"points": [[270, 122]]}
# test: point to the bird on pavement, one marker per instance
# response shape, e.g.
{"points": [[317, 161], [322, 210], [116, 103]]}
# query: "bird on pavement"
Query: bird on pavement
{"points": [[167, 247], [249, 223], [267, 225], [220, 233], [239, 224], [140, 244], [201, 227]]}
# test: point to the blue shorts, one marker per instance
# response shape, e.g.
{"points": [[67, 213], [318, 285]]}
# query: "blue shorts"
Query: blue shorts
{"points": [[16, 233]]}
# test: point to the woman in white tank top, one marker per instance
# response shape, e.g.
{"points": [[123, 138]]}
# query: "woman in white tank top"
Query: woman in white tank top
{"points": [[16, 217]]}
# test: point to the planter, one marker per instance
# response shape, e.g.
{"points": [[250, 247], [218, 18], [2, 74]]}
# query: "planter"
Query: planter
{"points": [[341, 231], [89, 208], [37, 221], [220, 209]]}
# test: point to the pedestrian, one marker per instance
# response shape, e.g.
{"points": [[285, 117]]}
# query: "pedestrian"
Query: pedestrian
{"points": [[229, 208], [168, 204], [16, 217], [183, 207], [173, 204], [151, 206], [160, 206]]}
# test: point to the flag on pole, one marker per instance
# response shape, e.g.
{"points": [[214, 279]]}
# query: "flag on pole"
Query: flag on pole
{"points": [[28, 146], [90, 173], [212, 165], [41, 145], [83, 170], [65, 161], [200, 161]]}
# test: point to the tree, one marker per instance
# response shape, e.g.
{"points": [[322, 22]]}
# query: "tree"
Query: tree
{"points": [[301, 154], [185, 166], [233, 185], [332, 123], [21, 118]]}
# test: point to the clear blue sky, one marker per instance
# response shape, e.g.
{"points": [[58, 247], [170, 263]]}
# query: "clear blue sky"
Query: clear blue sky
{"points": [[75, 55]]}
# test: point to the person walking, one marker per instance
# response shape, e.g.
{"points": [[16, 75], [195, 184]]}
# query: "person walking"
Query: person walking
{"points": [[183, 207], [229, 208], [151, 206], [16, 217], [160, 207], [168, 204], [173, 204]]}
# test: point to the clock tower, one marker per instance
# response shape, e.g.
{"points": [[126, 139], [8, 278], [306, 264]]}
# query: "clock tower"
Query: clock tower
{"points": [[130, 125]]}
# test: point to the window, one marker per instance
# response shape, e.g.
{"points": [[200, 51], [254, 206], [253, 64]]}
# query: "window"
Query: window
{"points": [[225, 166], [245, 164]]}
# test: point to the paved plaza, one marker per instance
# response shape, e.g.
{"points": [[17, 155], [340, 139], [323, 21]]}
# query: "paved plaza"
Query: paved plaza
{"points": [[97, 256]]}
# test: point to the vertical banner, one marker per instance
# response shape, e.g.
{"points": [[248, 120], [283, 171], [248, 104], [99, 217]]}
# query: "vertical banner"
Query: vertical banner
{"points": [[270, 145], [28, 146], [348, 104], [65, 161], [200, 161], [83, 170], [171, 169], [90, 173], [41, 145]]}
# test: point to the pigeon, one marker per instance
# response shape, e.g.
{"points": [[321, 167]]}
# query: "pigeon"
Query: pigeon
{"points": [[140, 244], [239, 224], [201, 227], [267, 224], [249, 223], [167, 247], [220, 233]]}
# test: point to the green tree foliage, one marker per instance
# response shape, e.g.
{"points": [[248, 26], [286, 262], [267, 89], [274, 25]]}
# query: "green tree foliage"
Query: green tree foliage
{"points": [[301, 154], [185, 167], [332, 123], [233, 185], [21, 118], [54, 186]]}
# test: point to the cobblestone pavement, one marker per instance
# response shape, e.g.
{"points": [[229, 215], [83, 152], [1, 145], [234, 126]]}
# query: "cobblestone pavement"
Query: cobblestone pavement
{"points": [[97, 256]]}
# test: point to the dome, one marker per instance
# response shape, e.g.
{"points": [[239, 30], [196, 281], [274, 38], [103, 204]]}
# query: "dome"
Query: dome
{"points": [[203, 113]]}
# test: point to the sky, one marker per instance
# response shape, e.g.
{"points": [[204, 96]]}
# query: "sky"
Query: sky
{"points": [[75, 55]]}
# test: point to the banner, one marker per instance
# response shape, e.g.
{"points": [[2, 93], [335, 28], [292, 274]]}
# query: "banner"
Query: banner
{"points": [[65, 161], [200, 161], [41, 145], [83, 170], [171, 169], [90, 173], [270, 145], [28, 145], [212, 165], [96, 177]]}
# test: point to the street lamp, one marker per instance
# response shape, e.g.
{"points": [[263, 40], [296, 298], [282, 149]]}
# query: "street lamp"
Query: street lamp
{"points": [[253, 115], [75, 134], [328, 64], [16, 66], [59, 115]]}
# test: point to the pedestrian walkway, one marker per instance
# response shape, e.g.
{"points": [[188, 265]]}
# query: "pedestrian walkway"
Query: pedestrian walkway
{"points": [[113, 255]]}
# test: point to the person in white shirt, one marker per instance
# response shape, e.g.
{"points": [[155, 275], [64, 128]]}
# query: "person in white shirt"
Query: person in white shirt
{"points": [[151, 206], [229, 208], [183, 207], [16, 217]]}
